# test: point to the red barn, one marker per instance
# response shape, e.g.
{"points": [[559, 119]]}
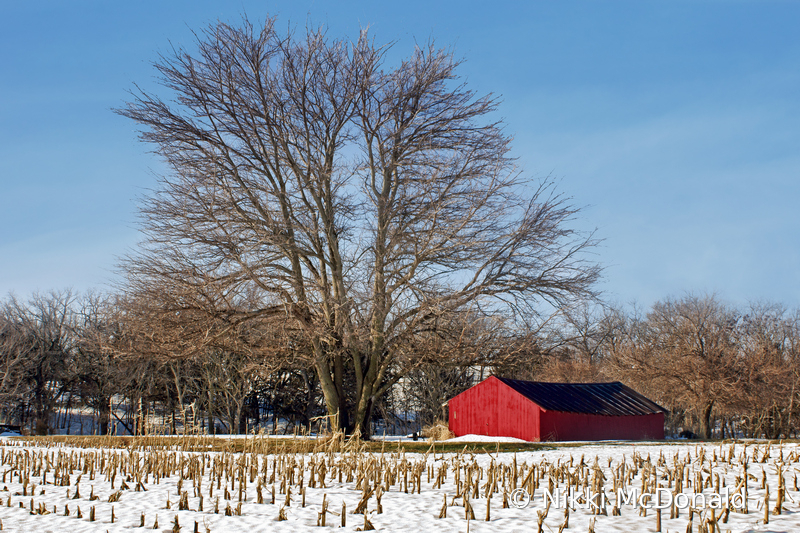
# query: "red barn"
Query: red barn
{"points": [[535, 411]]}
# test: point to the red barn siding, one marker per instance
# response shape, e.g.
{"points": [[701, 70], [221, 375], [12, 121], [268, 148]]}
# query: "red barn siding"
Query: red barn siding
{"points": [[556, 426], [494, 409]]}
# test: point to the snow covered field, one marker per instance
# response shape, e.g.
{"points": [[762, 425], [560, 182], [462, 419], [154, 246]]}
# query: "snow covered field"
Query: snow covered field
{"points": [[43, 488]]}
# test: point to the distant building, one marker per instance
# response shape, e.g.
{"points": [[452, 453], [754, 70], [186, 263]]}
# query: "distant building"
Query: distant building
{"points": [[535, 411]]}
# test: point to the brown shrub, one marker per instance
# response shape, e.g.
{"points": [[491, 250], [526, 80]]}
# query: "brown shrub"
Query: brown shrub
{"points": [[439, 430]]}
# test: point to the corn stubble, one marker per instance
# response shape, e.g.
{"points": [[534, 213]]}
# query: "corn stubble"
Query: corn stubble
{"points": [[307, 469]]}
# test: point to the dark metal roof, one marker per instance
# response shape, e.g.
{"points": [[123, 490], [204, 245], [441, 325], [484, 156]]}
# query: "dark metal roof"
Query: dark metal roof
{"points": [[611, 399]]}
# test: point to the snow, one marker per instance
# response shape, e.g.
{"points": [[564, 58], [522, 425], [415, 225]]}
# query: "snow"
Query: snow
{"points": [[401, 511], [481, 438]]}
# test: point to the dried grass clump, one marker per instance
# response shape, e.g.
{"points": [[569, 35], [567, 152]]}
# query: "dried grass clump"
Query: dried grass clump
{"points": [[439, 430]]}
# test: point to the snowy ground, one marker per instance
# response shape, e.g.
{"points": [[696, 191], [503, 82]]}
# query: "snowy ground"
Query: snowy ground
{"points": [[482, 438], [401, 511]]}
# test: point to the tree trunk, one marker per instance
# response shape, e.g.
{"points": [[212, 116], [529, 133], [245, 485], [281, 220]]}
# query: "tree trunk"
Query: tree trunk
{"points": [[333, 390], [309, 404], [41, 427], [40, 424], [241, 420], [336, 404], [212, 426], [104, 415], [705, 420]]}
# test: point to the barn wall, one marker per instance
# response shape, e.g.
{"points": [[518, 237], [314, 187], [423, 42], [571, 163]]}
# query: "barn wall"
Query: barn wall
{"points": [[560, 426], [492, 408]]}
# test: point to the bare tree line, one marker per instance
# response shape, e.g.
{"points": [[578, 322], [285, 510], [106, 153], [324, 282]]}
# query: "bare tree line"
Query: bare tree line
{"points": [[64, 353], [721, 370], [60, 351]]}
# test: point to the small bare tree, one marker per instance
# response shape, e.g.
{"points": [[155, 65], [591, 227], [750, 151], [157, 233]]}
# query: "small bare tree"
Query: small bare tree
{"points": [[39, 363], [100, 374], [15, 346], [578, 340], [769, 393]]}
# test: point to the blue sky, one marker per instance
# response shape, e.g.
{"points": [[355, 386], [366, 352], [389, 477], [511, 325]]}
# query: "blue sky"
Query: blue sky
{"points": [[676, 123]]}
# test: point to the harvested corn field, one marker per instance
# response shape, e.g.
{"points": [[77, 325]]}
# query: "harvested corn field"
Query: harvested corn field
{"points": [[289, 485]]}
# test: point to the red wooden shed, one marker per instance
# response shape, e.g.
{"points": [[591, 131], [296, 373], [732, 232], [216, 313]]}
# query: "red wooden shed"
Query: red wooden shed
{"points": [[536, 411]]}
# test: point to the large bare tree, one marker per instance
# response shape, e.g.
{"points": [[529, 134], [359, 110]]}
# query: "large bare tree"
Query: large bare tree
{"points": [[358, 202]]}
